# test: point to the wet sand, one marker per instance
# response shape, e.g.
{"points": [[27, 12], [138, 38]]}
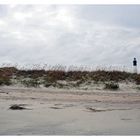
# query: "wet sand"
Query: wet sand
{"points": [[69, 112]]}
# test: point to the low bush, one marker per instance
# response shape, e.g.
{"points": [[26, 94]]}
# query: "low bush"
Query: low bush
{"points": [[5, 81], [137, 79], [112, 86], [53, 76], [46, 84], [31, 83]]}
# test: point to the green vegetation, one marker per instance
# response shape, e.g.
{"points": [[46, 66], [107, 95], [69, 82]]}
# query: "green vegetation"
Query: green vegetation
{"points": [[112, 86], [30, 83], [138, 88], [137, 79], [47, 78], [5, 81]]}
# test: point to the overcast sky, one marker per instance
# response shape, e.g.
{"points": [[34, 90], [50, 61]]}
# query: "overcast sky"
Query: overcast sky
{"points": [[70, 34]]}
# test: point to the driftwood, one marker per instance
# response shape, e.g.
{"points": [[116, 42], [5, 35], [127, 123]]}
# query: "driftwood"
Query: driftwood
{"points": [[95, 110], [17, 107], [53, 107], [102, 110]]}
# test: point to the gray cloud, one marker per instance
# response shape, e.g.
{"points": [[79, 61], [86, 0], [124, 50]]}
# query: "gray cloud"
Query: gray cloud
{"points": [[124, 15], [69, 34]]}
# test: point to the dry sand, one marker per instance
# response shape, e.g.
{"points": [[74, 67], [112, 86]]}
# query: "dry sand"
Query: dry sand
{"points": [[69, 112]]}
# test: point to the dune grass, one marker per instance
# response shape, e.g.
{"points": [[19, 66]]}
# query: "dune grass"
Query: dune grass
{"points": [[50, 77], [112, 86]]}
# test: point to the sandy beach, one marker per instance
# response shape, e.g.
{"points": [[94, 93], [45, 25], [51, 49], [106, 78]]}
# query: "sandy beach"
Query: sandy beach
{"points": [[69, 112], [69, 69]]}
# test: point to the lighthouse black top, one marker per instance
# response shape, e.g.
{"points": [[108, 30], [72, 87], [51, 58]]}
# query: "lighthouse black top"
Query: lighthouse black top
{"points": [[134, 62]]}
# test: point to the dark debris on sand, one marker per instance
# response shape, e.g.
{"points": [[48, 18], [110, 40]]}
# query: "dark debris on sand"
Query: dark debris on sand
{"points": [[17, 107], [53, 107], [94, 110]]}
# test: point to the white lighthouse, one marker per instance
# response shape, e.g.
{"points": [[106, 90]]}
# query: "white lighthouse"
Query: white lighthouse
{"points": [[135, 65]]}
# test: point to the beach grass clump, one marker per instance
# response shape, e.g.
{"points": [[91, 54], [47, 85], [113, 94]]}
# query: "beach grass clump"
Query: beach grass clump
{"points": [[53, 76], [53, 84], [138, 88], [7, 71], [34, 74], [47, 84], [30, 83], [77, 75], [103, 76], [112, 86], [5, 81], [137, 79]]}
